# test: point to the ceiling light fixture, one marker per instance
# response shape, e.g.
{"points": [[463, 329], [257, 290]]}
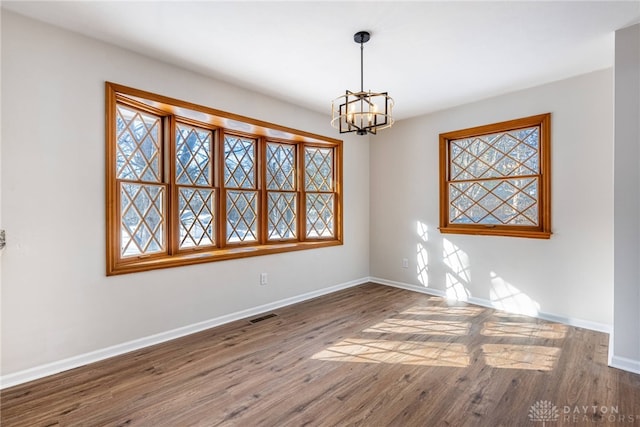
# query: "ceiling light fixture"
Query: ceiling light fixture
{"points": [[362, 112]]}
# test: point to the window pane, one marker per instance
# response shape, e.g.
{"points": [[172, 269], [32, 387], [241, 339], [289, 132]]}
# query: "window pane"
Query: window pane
{"points": [[497, 155], [196, 217], [281, 167], [193, 155], [496, 201], [494, 178], [320, 215], [239, 162], [318, 169], [142, 213], [242, 208], [138, 145], [282, 216]]}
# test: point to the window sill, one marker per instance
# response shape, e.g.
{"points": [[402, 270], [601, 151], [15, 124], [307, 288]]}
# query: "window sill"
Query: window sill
{"points": [[183, 259], [495, 231]]}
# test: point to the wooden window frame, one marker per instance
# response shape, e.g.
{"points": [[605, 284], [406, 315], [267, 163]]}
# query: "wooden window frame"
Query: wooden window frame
{"points": [[220, 123], [543, 229]]}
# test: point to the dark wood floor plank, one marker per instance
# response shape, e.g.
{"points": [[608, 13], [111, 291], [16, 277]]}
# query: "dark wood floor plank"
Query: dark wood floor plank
{"points": [[366, 356]]}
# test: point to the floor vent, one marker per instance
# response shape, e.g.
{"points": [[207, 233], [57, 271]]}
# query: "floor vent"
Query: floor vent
{"points": [[261, 318]]}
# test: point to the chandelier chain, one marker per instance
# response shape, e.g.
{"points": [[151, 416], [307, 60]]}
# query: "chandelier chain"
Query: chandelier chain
{"points": [[361, 66]]}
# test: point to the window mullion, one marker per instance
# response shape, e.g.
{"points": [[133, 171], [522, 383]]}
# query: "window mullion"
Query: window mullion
{"points": [[261, 187], [173, 220], [221, 202], [216, 184], [302, 194]]}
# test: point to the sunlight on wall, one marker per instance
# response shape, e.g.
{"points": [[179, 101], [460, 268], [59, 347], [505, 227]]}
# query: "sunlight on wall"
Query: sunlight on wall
{"points": [[459, 276], [507, 297], [422, 256], [423, 231], [397, 352]]}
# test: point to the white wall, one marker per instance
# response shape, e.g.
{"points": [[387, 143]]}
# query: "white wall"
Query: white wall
{"points": [[56, 300], [568, 276], [626, 337]]}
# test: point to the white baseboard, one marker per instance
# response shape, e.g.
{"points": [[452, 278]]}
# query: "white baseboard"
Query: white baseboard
{"points": [[580, 323], [620, 362], [625, 364], [52, 368]]}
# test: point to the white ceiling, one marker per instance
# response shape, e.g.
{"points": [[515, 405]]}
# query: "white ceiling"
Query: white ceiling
{"points": [[427, 55]]}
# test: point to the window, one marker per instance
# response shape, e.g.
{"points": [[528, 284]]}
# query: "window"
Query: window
{"points": [[495, 179], [188, 184]]}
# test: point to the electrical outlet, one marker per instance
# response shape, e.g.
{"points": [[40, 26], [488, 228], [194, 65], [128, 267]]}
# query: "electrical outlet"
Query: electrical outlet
{"points": [[264, 279], [405, 263]]}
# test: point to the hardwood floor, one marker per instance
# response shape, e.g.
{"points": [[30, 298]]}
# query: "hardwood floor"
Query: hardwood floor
{"points": [[366, 356]]}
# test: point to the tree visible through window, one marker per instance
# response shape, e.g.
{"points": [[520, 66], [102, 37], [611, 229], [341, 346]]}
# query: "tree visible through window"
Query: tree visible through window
{"points": [[495, 180], [139, 175], [194, 184], [281, 190], [188, 184]]}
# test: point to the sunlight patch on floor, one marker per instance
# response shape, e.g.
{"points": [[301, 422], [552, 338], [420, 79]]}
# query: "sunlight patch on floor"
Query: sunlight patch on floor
{"points": [[422, 327], [437, 335], [396, 352], [445, 311], [524, 330], [513, 356]]}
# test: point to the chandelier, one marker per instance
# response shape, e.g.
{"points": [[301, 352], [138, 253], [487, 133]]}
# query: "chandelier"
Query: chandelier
{"points": [[362, 112]]}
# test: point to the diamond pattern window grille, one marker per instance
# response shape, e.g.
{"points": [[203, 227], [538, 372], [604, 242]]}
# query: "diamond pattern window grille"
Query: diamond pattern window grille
{"points": [[239, 162], [320, 215], [196, 212], [504, 154], [282, 216], [494, 202], [318, 169], [193, 155], [142, 224], [138, 154], [182, 189], [281, 171], [494, 179], [242, 215]]}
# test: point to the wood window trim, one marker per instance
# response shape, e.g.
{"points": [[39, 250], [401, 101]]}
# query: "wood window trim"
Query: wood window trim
{"points": [[543, 229], [221, 122]]}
